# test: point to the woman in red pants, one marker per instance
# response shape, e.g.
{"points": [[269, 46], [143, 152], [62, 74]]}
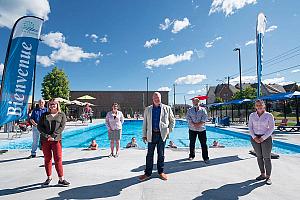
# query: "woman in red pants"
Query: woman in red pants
{"points": [[51, 126]]}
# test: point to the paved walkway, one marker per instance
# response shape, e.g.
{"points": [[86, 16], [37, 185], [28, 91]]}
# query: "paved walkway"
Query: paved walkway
{"points": [[95, 176]]}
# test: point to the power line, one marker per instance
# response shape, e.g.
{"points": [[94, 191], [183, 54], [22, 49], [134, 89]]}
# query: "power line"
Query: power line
{"points": [[275, 58], [269, 65], [282, 70], [281, 55]]}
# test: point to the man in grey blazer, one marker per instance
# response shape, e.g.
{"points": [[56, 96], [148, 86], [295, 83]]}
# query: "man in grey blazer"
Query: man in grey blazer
{"points": [[158, 122]]}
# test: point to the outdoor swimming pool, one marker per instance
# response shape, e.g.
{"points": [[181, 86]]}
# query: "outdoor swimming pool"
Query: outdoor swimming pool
{"points": [[133, 128]]}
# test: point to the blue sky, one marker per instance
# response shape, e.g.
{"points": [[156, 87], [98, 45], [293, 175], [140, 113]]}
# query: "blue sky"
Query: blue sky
{"points": [[115, 45]]}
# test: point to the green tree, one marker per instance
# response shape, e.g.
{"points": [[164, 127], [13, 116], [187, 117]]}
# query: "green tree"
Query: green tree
{"points": [[55, 84], [219, 100], [247, 93]]}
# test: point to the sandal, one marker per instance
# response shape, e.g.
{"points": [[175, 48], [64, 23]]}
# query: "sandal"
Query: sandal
{"points": [[117, 155], [110, 155]]}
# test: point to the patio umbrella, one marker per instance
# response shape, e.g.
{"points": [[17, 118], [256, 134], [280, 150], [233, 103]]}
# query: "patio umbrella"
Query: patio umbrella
{"points": [[62, 100], [77, 102], [86, 97], [200, 97], [90, 104]]}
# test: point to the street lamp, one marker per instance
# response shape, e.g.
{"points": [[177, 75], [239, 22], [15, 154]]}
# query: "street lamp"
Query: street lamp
{"points": [[240, 66], [147, 94]]}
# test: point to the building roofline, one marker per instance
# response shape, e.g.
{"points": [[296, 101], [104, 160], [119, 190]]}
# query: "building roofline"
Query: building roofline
{"points": [[114, 91]]}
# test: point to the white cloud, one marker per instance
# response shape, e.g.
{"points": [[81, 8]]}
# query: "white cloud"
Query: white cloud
{"points": [[253, 79], [104, 39], [169, 60], [250, 42], [295, 71], [274, 80], [200, 53], [191, 92], [151, 43], [94, 37], [70, 54], [55, 40], [179, 25], [271, 28], [286, 83], [63, 52], [245, 79], [125, 51], [166, 25], [97, 62], [277, 80], [190, 79], [211, 43], [14, 9], [109, 86], [44, 60], [228, 6], [1, 68], [164, 89], [201, 91]]}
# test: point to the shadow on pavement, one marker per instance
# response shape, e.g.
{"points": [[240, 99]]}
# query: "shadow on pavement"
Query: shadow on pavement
{"points": [[103, 190], [68, 162], [184, 164], [231, 191], [115, 187], [16, 159], [25, 188]]}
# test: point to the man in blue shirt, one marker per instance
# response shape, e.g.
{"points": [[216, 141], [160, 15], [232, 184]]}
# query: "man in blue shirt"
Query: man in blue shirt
{"points": [[158, 122], [34, 119], [196, 118]]}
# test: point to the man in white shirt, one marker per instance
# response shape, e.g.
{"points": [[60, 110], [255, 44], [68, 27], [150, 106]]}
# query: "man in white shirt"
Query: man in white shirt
{"points": [[196, 118]]}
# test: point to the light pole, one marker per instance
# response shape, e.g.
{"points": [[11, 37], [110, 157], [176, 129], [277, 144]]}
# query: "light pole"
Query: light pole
{"points": [[174, 98], [184, 105], [147, 91], [240, 66]]}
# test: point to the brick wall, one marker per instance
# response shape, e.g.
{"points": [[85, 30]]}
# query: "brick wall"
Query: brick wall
{"points": [[129, 101]]}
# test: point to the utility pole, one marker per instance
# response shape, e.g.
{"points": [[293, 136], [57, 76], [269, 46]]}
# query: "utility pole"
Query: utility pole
{"points": [[174, 98], [144, 100], [206, 92], [240, 67], [147, 91], [228, 78], [184, 105]]}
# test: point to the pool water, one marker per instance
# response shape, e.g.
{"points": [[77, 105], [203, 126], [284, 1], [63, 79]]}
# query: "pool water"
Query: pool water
{"points": [[133, 128]]}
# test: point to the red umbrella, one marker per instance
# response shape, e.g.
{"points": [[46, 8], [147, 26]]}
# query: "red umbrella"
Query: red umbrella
{"points": [[200, 97]]}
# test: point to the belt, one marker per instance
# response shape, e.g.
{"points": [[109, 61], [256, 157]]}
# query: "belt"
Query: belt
{"points": [[156, 131], [259, 136]]}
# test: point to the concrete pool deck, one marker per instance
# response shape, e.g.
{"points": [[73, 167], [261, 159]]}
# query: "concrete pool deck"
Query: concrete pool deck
{"points": [[287, 137], [93, 175]]}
